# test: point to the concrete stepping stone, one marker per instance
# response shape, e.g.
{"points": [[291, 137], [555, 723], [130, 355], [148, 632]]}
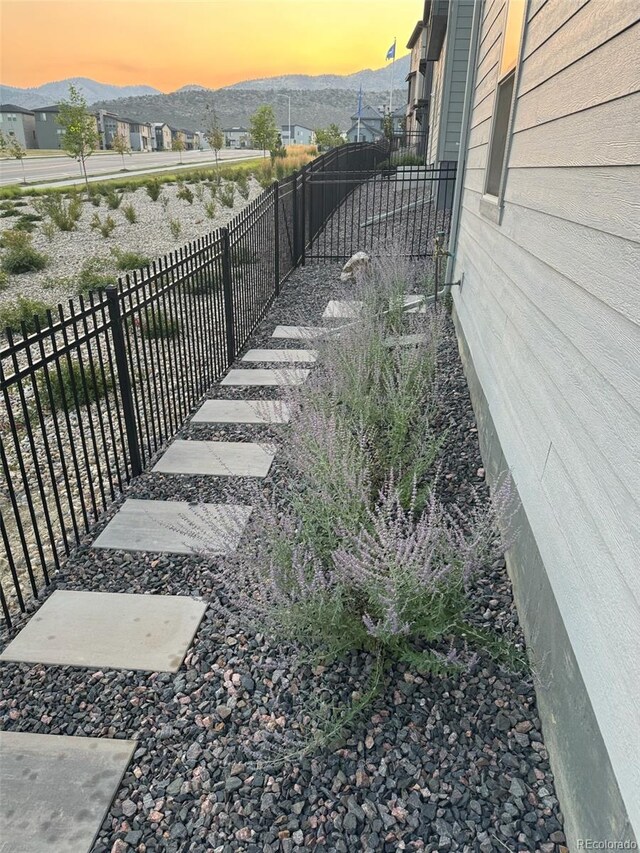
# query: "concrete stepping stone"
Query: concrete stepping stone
{"points": [[109, 629], [174, 527], [299, 332], [216, 458], [56, 790], [284, 355], [266, 376], [242, 412], [342, 308]]}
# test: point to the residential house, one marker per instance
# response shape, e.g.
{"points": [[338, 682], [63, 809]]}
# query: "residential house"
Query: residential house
{"points": [[140, 135], [372, 123], [178, 135], [48, 131], [297, 135], [418, 88], [109, 126], [546, 246], [19, 124], [237, 137], [446, 37], [161, 138]]}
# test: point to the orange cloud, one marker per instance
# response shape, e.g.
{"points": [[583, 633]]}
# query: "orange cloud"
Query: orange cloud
{"points": [[210, 42]]}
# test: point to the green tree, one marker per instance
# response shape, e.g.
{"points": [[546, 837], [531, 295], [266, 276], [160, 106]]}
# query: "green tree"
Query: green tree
{"points": [[215, 137], [80, 131], [177, 144], [120, 143], [329, 137], [263, 129], [10, 147], [387, 127]]}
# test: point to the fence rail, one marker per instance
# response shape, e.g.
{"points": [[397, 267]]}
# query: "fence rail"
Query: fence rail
{"points": [[89, 396]]}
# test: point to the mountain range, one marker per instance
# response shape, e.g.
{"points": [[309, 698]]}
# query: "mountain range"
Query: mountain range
{"points": [[316, 101], [51, 93]]}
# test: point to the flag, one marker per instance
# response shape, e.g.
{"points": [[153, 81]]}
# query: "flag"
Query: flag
{"points": [[359, 112], [391, 53]]}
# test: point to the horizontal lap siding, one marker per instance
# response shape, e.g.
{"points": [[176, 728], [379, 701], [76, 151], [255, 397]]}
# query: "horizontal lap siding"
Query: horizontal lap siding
{"points": [[550, 309]]}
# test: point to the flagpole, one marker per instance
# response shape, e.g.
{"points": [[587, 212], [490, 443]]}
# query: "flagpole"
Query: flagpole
{"points": [[393, 62]]}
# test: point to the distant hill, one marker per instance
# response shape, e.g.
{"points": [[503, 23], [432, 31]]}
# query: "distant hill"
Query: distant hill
{"points": [[378, 80], [51, 93], [316, 101], [190, 109]]}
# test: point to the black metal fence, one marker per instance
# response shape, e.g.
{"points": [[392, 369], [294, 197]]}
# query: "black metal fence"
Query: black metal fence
{"points": [[93, 391], [367, 208]]}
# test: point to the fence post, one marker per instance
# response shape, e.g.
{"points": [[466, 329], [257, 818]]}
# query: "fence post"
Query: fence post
{"points": [[294, 217], [124, 379], [227, 290], [276, 230], [303, 204]]}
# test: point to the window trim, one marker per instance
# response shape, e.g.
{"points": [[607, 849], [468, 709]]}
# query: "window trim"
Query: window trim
{"points": [[491, 205]]}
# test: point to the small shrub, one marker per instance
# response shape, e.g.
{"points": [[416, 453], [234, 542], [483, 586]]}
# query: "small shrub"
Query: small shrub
{"points": [[65, 214], [23, 310], [4, 279], [21, 256], [264, 175], [210, 209], [130, 213], [176, 228], [153, 189], [93, 276], [242, 184], [126, 260], [227, 195], [95, 196], [49, 230], [8, 212], [213, 190], [70, 383], [113, 198], [157, 326], [199, 191], [185, 193], [164, 201], [105, 227]]}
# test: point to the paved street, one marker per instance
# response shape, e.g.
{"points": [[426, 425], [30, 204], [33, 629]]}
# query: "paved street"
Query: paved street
{"points": [[43, 169]]}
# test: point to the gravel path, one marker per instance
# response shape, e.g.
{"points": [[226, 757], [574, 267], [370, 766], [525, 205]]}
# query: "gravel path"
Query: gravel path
{"points": [[436, 764]]}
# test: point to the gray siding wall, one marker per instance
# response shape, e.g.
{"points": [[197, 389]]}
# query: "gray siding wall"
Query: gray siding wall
{"points": [[47, 128], [459, 28], [435, 111], [550, 311]]}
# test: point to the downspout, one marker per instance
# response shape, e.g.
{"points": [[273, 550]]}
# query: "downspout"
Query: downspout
{"points": [[467, 108]]}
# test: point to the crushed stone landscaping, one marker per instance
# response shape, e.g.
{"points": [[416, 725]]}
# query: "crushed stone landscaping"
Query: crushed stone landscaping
{"points": [[221, 762]]}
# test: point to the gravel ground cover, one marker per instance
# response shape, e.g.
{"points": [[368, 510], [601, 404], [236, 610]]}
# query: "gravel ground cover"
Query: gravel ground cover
{"points": [[434, 764], [150, 235]]}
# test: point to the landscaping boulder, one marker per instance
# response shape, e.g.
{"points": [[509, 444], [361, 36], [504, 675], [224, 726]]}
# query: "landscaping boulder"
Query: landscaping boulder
{"points": [[357, 264]]}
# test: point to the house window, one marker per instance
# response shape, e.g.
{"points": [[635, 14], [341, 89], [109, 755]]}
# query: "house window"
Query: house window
{"points": [[504, 96]]}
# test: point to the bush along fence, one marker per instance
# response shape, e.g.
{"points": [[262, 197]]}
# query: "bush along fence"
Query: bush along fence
{"points": [[92, 390]]}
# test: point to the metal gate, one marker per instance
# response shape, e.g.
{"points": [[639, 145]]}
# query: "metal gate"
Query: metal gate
{"points": [[368, 209]]}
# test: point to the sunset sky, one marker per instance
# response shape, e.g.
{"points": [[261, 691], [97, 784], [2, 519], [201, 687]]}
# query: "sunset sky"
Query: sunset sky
{"points": [[210, 42]]}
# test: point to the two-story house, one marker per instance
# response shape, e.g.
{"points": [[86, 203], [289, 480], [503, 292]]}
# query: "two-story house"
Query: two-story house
{"points": [[297, 134], [161, 136], [109, 126], [19, 124], [140, 135], [237, 137]]}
